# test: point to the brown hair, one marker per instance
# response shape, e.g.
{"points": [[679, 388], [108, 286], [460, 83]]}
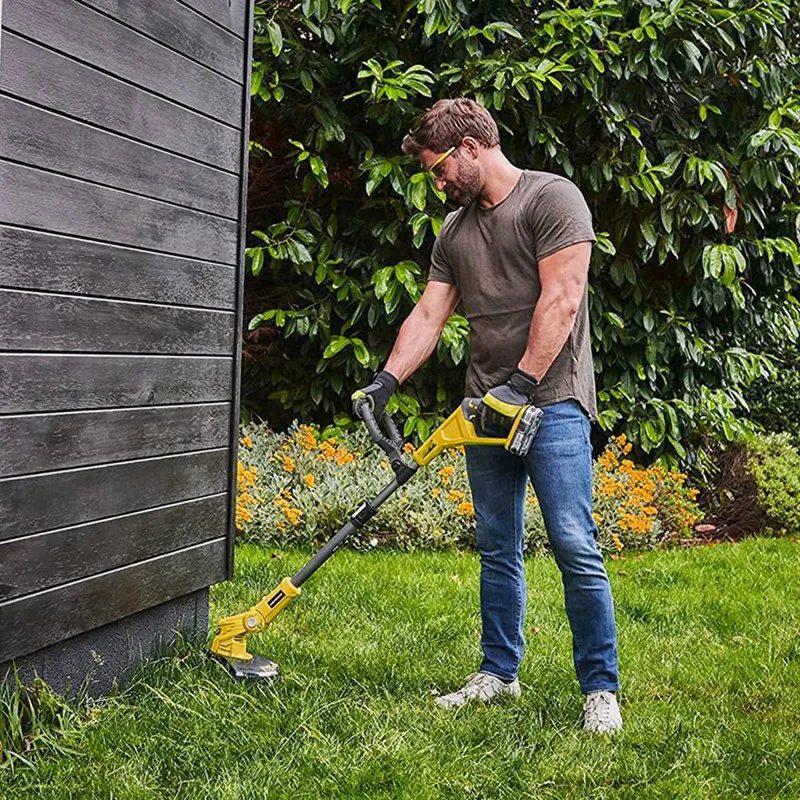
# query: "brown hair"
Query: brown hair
{"points": [[447, 122]]}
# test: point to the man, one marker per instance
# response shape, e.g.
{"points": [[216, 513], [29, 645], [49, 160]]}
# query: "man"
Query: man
{"points": [[517, 255]]}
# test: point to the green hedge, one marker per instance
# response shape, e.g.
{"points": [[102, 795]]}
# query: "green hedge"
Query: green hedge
{"points": [[678, 120]]}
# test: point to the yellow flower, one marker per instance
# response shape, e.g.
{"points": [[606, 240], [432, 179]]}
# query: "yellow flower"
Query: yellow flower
{"points": [[293, 515], [306, 437], [328, 450], [246, 441], [308, 480], [455, 495], [408, 447], [288, 464], [465, 509], [617, 542], [436, 492], [447, 471], [344, 456]]}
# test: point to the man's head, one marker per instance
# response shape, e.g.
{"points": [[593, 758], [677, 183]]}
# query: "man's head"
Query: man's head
{"points": [[454, 138]]}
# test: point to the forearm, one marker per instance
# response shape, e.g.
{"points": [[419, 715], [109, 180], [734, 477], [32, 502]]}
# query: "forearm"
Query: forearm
{"points": [[552, 322], [416, 341]]}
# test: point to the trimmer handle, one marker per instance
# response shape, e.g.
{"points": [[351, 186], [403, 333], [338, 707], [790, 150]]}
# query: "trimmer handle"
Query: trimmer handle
{"points": [[384, 432]]}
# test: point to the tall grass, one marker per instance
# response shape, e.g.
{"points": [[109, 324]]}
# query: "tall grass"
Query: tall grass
{"points": [[33, 720]]}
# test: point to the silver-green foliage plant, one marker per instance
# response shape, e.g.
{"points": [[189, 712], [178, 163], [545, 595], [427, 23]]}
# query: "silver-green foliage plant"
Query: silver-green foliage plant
{"points": [[678, 120], [301, 487]]}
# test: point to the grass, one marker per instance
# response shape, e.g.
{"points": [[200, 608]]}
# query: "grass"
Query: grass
{"points": [[710, 660]]}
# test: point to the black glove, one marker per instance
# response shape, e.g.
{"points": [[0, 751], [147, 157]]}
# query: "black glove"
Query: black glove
{"points": [[502, 403], [383, 386]]}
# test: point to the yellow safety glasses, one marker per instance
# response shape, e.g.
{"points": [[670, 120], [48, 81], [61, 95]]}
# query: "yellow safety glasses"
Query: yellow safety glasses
{"points": [[432, 169]]}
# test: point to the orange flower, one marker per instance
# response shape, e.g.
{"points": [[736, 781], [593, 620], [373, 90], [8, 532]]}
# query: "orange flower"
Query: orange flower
{"points": [[293, 515], [344, 456], [465, 509], [436, 492], [447, 472], [455, 495], [308, 480], [306, 437], [246, 441], [328, 450], [287, 462]]}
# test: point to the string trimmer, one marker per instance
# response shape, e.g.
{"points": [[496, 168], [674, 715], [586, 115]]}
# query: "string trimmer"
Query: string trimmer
{"points": [[230, 642]]}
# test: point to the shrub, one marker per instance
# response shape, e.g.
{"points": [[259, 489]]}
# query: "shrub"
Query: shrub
{"points": [[775, 466], [775, 403], [299, 488], [755, 487]]}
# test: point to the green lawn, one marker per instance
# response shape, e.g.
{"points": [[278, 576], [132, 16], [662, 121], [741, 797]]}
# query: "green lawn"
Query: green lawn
{"points": [[710, 659]]}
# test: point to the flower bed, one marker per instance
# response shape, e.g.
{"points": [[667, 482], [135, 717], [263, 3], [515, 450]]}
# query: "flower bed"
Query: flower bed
{"points": [[297, 488]]}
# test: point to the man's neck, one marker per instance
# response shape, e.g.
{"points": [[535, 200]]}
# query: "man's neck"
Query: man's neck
{"points": [[501, 178]]}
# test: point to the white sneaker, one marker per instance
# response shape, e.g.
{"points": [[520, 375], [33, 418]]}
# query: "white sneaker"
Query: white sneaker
{"points": [[480, 687], [601, 713]]}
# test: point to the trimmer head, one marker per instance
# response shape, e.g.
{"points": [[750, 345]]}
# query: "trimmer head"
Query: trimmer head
{"points": [[256, 669]]}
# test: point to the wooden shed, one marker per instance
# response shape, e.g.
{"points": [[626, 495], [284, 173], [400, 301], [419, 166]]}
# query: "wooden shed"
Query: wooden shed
{"points": [[123, 171]]}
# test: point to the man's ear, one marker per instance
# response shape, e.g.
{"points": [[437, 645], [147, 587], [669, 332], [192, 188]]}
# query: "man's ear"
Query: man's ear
{"points": [[471, 146]]}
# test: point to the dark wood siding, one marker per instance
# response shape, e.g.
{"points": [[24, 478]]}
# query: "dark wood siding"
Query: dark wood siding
{"points": [[123, 165]]}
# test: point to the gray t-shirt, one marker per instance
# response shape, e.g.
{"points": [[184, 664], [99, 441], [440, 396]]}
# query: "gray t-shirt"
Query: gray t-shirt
{"points": [[492, 255]]}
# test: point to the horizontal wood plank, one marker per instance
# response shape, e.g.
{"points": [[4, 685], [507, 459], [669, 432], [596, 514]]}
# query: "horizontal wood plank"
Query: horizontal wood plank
{"points": [[41, 561], [65, 323], [38, 503], [82, 33], [32, 443], [54, 81], [40, 138], [232, 14], [47, 261], [30, 382], [179, 28], [35, 621], [33, 198]]}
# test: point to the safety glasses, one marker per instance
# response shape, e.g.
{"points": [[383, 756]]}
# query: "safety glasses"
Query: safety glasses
{"points": [[434, 168]]}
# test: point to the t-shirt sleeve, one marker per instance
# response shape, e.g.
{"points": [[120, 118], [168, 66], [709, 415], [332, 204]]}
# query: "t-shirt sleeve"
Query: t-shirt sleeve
{"points": [[559, 217], [440, 267]]}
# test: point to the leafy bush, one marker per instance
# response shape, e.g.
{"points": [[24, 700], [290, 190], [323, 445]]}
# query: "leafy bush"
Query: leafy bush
{"points": [[678, 120], [754, 488], [775, 402], [775, 465], [300, 488]]}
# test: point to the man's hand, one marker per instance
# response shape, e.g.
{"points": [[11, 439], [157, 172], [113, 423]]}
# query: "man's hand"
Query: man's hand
{"points": [[503, 402], [383, 386]]}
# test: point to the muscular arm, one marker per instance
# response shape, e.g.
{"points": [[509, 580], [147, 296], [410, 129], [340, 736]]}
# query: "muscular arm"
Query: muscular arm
{"points": [[420, 332], [563, 276]]}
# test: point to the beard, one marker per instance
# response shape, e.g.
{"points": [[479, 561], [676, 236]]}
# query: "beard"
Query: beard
{"points": [[467, 186]]}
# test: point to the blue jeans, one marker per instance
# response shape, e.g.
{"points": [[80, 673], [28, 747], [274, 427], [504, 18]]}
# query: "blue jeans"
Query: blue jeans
{"points": [[559, 466]]}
